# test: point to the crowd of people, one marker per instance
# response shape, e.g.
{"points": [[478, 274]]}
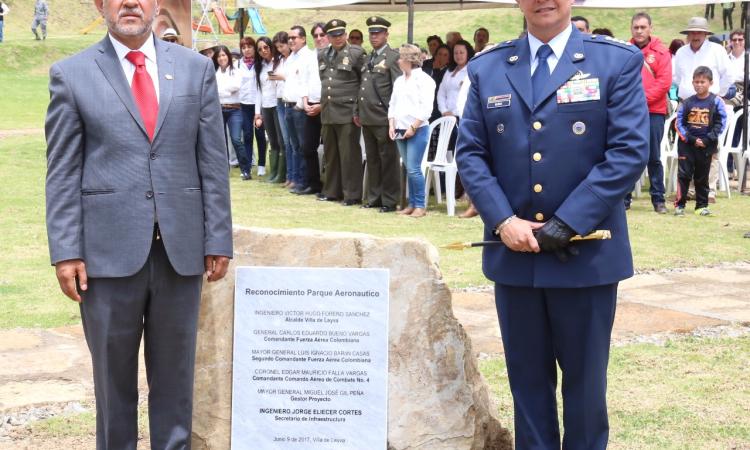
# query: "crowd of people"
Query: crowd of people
{"points": [[277, 91]]}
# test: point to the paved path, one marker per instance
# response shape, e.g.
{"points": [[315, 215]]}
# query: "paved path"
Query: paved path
{"points": [[53, 365]]}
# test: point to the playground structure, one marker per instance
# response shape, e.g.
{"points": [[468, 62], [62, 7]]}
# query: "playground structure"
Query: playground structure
{"points": [[243, 16]]}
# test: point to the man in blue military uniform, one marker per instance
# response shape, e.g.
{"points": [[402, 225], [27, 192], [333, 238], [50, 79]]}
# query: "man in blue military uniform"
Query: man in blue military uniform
{"points": [[554, 134]]}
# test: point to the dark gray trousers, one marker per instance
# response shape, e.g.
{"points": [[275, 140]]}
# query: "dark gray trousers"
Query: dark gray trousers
{"points": [[342, 156], [162, 306]]}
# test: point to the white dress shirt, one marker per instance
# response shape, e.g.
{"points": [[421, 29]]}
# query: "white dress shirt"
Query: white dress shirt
{"points": [[710, 55], [449, 88], [412, 99], [302, 77], [147, 49], [280, 84], [738, 65], [229, 84], [267, 93], [557, 44], [249, 86]]}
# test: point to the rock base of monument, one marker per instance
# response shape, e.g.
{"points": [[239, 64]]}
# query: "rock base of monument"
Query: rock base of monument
{"points": [[437, 398]]}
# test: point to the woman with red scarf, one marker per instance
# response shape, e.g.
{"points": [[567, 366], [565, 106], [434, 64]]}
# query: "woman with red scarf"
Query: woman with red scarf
{"points": [[247, 99]]}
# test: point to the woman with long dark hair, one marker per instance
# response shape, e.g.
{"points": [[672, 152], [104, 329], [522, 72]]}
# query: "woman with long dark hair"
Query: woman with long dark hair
{"points": [[229, 83], [247, 100], [281, 42], [266, 61], [454, 78]]}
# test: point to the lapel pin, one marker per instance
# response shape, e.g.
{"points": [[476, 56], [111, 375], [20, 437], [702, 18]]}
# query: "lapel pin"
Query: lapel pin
{"points": [[168, 76], [513, 59], [501, 128], [578, 55], [579, 128]]}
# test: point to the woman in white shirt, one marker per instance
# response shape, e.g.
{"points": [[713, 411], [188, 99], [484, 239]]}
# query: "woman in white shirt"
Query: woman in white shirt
{"points": [[247, 101], [265, 100], [453, 80], [281, 42], [229, 82], [408, 115]]}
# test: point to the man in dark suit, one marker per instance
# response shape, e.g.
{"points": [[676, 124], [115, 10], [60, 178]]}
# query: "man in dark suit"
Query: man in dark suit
{"points": [[553, 135], [137, 211]]}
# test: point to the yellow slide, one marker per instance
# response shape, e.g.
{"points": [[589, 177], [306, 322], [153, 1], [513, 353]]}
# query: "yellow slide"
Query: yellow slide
{"points": [[92, 26]]}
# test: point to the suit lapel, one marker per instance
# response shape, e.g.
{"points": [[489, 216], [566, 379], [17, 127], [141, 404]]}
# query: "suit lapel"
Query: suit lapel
{"points": [[519, 74], [566, 67], [112, 70], [165, 67]]}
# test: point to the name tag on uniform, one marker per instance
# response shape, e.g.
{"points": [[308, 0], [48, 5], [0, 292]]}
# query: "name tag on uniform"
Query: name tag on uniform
{"points": [[498, 101], [575, 91]]}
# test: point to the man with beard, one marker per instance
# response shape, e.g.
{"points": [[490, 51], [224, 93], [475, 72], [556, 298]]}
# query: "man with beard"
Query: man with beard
{"points": [[137, 211]]}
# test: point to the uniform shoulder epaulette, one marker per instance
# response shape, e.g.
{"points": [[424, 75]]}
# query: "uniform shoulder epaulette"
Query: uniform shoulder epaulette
{"points": [[356, 47], [627, 45], [489, 48]]}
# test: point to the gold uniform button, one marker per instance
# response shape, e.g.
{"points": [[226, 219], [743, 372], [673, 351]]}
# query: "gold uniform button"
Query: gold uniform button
{"points": [[330, 79], [363, 89], [365, 78], [329, 97], [329, 88], [537, 126], [537, 157], [539, 216], [537, 188], [363, 99]]}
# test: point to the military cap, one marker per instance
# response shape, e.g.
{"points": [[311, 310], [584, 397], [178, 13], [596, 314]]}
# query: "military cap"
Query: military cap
{"points": [[377, 24], [335, 27]]}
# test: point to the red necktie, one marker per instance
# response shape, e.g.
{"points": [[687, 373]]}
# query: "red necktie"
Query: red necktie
{"points": [[144, 92]]}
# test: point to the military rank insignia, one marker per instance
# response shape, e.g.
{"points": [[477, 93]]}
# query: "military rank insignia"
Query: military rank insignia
{"points": [[345, 61], [582, 90]]}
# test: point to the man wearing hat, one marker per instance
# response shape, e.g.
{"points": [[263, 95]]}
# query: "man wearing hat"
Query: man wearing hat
{"points": [[208, 49], [379, 73], [170, 35], [340, 67], [701, 52]]}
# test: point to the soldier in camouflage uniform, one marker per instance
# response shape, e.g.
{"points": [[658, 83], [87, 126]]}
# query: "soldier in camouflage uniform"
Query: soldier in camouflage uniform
{"points": [[378, 74], [340, 68], [41, 13]]}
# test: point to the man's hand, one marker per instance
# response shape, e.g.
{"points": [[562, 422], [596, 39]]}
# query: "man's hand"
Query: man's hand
{"points": [[356, 121], [313, 110], [518, 236], [216, 267], [699, 143], [67, 271], [555, 236]]}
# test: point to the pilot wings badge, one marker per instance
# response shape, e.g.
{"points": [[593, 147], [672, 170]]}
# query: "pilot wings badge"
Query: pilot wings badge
{"points": [[579, 76]]}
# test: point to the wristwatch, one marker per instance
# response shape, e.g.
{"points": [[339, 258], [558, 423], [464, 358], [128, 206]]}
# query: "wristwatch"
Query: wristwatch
{"points": [[503, 224], [412, 128]]}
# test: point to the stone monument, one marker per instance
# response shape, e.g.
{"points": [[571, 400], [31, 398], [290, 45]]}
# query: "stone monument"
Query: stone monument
{"points": [[437, 397]]}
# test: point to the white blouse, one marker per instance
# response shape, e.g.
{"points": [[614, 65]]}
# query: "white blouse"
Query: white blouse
{"points": [[249, 86], [447, 96], [229, 85], [281, 69], [412, 99], [267, 89]]}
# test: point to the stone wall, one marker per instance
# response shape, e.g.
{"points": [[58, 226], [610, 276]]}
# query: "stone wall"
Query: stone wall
{"points": [[437, 397]]}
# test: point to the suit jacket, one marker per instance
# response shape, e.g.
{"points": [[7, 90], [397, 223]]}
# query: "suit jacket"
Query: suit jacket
{"points": [[106, 179], [339, 81], [377, 78], [574, 160]]}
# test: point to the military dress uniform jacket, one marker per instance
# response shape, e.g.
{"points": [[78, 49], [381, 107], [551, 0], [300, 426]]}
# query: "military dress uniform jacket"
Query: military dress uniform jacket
{"points": [[377, 78], [574, 156], [340, 79]]}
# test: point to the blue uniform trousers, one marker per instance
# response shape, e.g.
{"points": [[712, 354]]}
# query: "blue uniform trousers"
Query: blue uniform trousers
{"points": [[570, 327]]}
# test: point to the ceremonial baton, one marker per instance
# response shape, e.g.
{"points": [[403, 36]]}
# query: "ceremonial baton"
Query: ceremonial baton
{"points": [[596, 235]]}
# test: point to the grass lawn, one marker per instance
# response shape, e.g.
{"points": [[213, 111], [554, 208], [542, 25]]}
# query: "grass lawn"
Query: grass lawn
{"points": [[688, 395]]}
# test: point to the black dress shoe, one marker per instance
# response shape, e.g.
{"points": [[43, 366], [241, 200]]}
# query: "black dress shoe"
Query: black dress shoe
{"points": [[387, 209], [306, 191], [320, 195], [369, 205], [327, 199], [351, 202], [247, 176]]}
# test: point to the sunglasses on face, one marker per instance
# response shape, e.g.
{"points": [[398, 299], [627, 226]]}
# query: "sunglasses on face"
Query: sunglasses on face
{"points": [[173, 40], [318, 36], [263, 49], [293, 38], [737, 40]]}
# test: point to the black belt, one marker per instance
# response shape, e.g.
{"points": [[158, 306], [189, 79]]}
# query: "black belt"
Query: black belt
{"points": [[313, 103], [290, 104], [157, 233]]}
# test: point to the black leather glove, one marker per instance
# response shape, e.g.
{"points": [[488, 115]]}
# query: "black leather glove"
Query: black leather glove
{"points": [[555, 236]]}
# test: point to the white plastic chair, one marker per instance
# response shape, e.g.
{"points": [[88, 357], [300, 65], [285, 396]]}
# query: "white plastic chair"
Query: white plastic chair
{"points": [[669, 157], [432, 169], [728, 149]]}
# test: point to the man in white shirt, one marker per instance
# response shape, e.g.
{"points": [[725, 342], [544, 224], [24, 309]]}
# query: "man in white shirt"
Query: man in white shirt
{"points": [[702, 52], [300, 85]]}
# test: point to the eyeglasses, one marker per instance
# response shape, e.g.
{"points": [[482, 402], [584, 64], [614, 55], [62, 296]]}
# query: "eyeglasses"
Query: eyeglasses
{"points": [[318, 36], [738, 40], [173, 40], [293, 38], [263, 49]]}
